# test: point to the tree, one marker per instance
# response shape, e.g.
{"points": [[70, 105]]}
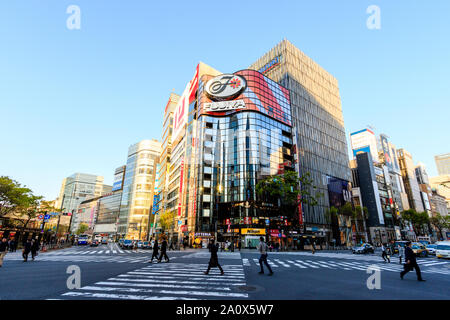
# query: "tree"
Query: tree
{"points": [[417, 219], [440, 222], [12, 195], [289, 190], [27, 210], [166, 219], [82, 228]]}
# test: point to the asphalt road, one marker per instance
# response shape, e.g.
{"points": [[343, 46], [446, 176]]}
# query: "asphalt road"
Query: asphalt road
{"points": [[110, 273]]}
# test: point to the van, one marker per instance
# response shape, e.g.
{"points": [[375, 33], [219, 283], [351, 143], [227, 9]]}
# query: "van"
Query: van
{"points": [[443, 249]]}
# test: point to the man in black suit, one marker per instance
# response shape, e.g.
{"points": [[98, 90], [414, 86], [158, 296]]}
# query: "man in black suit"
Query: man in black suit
{"points": [[411, 263], [163, 251]]}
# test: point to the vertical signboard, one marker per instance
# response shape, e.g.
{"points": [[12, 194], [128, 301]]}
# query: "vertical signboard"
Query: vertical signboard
{"points": [[180, 194], [386, 152]]}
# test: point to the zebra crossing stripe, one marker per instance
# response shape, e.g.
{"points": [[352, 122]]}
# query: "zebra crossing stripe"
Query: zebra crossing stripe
{"points": [[282, 263], [351, 265], [318, 263], [307, 264], [296, 264], [120, 296]]}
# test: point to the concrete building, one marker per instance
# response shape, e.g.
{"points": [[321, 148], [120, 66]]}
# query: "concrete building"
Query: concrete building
{"points": [[410, 181], [442, 186], [443, 163]]}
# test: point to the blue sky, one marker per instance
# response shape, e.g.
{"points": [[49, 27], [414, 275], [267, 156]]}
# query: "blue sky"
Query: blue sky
{"points": [[74, 100]]}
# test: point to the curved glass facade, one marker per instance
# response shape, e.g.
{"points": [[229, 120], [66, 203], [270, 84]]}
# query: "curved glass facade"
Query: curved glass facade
{"points": [[236, 149]]}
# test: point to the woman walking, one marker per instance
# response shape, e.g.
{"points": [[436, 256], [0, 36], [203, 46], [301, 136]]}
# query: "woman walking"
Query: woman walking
{"points": [[155, 251], [214, 260]]}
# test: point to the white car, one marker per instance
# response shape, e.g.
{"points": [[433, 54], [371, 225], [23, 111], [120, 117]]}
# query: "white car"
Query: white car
{"points": [[443, 249], [431, 248]]}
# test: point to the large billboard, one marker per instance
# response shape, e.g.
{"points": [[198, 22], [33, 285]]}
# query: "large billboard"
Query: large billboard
{"points": [[244, 90], [118, 178], [364, 140], [386, 152]]}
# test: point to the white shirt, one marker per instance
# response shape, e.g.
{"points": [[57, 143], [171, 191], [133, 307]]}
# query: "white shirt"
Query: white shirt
{"points": [[262, 247]]}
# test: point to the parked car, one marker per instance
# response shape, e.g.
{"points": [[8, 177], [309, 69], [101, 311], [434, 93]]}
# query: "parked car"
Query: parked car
{"points": [[121, 243], [364, 248], [94, 243], [145, 245], [443, 249], [419, 249], [140, 244], [127, 244], [431, 248], [104, 241]]}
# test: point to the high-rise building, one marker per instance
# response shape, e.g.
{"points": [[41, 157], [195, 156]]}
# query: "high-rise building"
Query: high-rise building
{"points": [[442, 185], [443, 163], [317, 125], [138, 190], [410, 181], [109, 206], [364, 141], [78, 188]]}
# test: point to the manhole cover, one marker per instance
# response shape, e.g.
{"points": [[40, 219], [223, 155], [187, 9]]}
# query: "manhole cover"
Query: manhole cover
{"points": [[249, 288]]}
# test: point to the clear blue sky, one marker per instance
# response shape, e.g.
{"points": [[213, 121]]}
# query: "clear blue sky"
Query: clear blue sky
{"points": [[74, 100]]}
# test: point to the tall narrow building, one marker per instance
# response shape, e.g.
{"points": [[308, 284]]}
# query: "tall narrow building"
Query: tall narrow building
{"points": [[409, 180], [138, 190]]}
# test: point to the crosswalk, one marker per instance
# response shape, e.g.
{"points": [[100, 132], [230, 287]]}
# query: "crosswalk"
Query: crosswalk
{"points": [[428, 266], [172, 281]]}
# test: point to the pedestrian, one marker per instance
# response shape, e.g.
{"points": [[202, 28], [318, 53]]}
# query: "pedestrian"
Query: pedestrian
{"points": [[411, 263], [214, 260], [135, 245], [262, 248], [171, 245], [384, 254], [239, 244], [277, 246], [232, 246], [401, 253], [34, 249], [313, 246], [26, 250], [222, 246], [155, 251], [163, 251], [4, 246]]}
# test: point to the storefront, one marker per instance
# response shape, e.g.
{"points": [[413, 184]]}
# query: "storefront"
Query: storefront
{"points": [[251, 236], [201, 239]]}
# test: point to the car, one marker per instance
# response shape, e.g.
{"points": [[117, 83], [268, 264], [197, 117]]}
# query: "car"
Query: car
{"points": [[121, 243], [127, 244], [364, 248], [419, 249], [399, 243], [431, 248], [443, 249], [104, 241], [145, 245], [140, 244], [94, 243]]}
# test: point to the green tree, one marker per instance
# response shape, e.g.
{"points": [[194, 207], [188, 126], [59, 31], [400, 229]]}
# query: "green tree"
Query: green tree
{"points": [[440, 222], [417, 219], [12, 195], [289, 190], [167, 220], [82, 228]]}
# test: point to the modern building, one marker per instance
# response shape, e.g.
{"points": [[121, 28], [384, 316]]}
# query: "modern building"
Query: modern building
{"points": [[364, 141], [86, 213], [78, 188], [443, 163], [138, 190], [317, 128], [442, 185], [410, 181], [109, 207]]}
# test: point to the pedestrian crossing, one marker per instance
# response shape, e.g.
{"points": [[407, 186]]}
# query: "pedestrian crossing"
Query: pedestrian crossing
{"points": [[430, 266], [171, 281]]}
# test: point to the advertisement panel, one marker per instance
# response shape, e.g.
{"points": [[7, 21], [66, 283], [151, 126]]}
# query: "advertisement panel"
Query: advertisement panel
{"points": [[251, 231], [250, 89], [362, 139], [386, 153], [118, 179]]}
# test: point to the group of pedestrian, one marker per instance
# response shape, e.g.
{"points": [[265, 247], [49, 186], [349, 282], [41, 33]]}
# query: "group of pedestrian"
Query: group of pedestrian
{"points": [[163, 253], [30, 246]]}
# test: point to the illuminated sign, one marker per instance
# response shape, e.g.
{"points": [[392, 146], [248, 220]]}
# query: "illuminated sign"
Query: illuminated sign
{"points": [[225, 87], [253, 231], [224, 105]]}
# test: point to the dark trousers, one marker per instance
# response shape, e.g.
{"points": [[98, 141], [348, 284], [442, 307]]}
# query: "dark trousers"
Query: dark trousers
{"points": [[262, 259], [25, 255], [33, 254], [154, 255], [218, 266], [163, 254], [385, 256], [409, 267]]}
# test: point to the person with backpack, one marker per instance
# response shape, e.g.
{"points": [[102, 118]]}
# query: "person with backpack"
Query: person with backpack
{"points": [[262, 248]]}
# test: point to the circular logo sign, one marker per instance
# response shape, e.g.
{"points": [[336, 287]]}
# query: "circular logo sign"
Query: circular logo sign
{"points": [[225, 87]]}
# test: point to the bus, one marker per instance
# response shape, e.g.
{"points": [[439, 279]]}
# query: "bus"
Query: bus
{"points": [[424, 240], [83, 239]]}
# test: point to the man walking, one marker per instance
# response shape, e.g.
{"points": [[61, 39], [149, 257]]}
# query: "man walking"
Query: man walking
{"points": [[384, 254], [3, 250], [26, 250], [262, 248], [411, 263], [401, 253], [214, 260], [34, 249], [155, 251], [163, 251]]}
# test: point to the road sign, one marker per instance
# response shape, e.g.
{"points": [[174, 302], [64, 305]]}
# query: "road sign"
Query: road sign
{"points": [[47, 217], [40, 217]]}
